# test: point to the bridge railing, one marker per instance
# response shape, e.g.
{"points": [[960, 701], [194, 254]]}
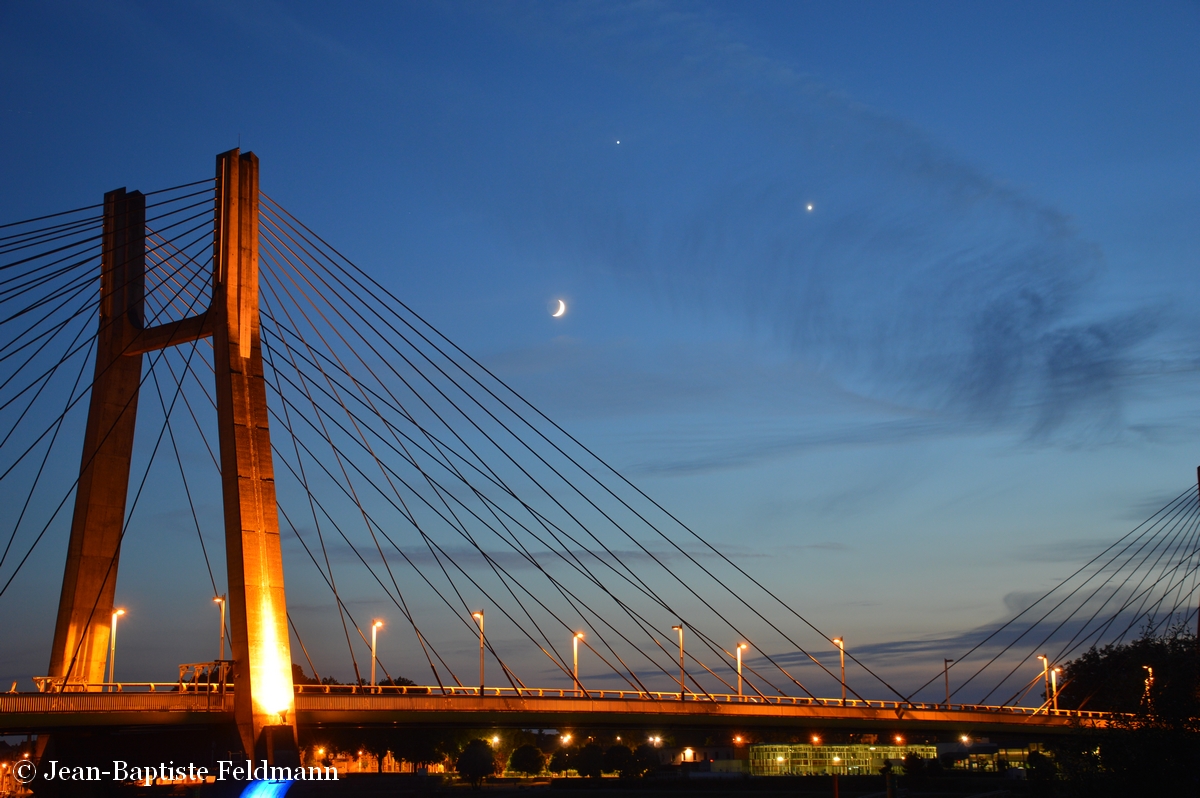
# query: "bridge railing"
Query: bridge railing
{"points": [[167, 696], [653, 695], [73, 702], [51, 684]]}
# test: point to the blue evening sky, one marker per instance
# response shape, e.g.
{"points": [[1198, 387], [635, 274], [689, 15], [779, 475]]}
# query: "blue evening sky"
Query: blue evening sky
{"points": [[972, 362]]}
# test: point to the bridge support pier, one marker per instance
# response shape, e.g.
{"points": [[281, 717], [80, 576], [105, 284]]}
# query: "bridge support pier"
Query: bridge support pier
{"points": [[85, 605], [264, 701]]}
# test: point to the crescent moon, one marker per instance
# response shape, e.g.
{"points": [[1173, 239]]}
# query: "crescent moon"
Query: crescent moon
{"points": [[562, 308]]}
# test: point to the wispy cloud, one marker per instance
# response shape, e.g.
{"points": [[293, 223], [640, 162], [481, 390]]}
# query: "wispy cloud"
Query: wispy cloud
{"points": [[917, 277]]}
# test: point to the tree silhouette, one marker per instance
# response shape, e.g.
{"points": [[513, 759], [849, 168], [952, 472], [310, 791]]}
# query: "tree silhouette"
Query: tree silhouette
{"points": [[527, 759], [619, 759], [590, 761], [476, 762]]}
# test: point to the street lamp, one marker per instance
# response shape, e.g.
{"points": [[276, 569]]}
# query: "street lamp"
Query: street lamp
{"points": [[946, 671], [112, 646], [1149, 682], [740, 648], [1054, 686], [479, 617], [575, 644], [1045, 675], [841, 644], [682, 688], [375, 627], [220, 600]]}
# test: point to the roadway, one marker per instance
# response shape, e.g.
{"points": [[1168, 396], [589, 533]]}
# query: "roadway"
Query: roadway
{"points": [[32, 713]]}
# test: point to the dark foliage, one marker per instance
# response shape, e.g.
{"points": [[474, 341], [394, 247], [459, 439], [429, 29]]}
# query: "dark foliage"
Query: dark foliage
{"points": [[916, 770], [647, 758], [300, 677], [1040, 768], [476, 762], [562, 761], [378, 742], [1114, 678], [397, 681], [421, 746], [620, 759], [527, 759], [590, 761], [1154, 749]]}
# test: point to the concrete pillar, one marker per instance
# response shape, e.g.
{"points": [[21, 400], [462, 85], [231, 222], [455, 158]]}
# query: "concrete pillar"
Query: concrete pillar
{"points": [[90, 577], [262, 670]]}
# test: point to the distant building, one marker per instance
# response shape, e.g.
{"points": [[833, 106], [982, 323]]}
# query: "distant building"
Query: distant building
{"points": [[846, 760], [986, 756], [709, 758]]}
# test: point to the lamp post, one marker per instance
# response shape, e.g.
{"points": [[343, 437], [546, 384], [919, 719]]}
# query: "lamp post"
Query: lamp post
{"points": [[1045, 676], [682, 687], [946, 672], [220, 600], [841, 644], [479, 617], [375, 626], [1054, 686], [1149, 684], [740, 648], [112, 646], [575, 644]]}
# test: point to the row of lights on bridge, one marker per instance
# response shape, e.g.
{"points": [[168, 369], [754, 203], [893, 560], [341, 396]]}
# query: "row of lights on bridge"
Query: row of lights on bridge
{"points": [[579, 637], [1049, 674]]}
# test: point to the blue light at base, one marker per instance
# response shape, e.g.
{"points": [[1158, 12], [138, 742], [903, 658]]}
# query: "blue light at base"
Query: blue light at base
{"points": [[266, 789]]}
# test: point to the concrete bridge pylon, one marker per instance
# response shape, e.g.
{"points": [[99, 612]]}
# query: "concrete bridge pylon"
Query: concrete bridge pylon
{"points": [[264, 701]]}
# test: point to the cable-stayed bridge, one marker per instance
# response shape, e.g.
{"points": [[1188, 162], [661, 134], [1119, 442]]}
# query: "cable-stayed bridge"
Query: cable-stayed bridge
{"points": [[232, 351]]}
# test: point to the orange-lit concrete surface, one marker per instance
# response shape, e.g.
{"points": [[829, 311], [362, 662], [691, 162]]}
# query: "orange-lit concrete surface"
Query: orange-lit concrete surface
{"points": [[257, 602], [81, 633], [33, 712]]}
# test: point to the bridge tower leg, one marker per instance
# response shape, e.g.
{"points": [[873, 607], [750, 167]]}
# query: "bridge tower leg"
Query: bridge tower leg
{"points": [[264, 703], [85, 605]]}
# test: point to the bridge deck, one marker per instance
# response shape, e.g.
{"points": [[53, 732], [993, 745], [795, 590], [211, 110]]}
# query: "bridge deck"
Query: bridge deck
{"points": [[37, 712]]}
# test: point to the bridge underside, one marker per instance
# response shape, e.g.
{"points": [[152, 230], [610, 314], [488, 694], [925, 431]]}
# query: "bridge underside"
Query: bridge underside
{"points": [[39, 713]]}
